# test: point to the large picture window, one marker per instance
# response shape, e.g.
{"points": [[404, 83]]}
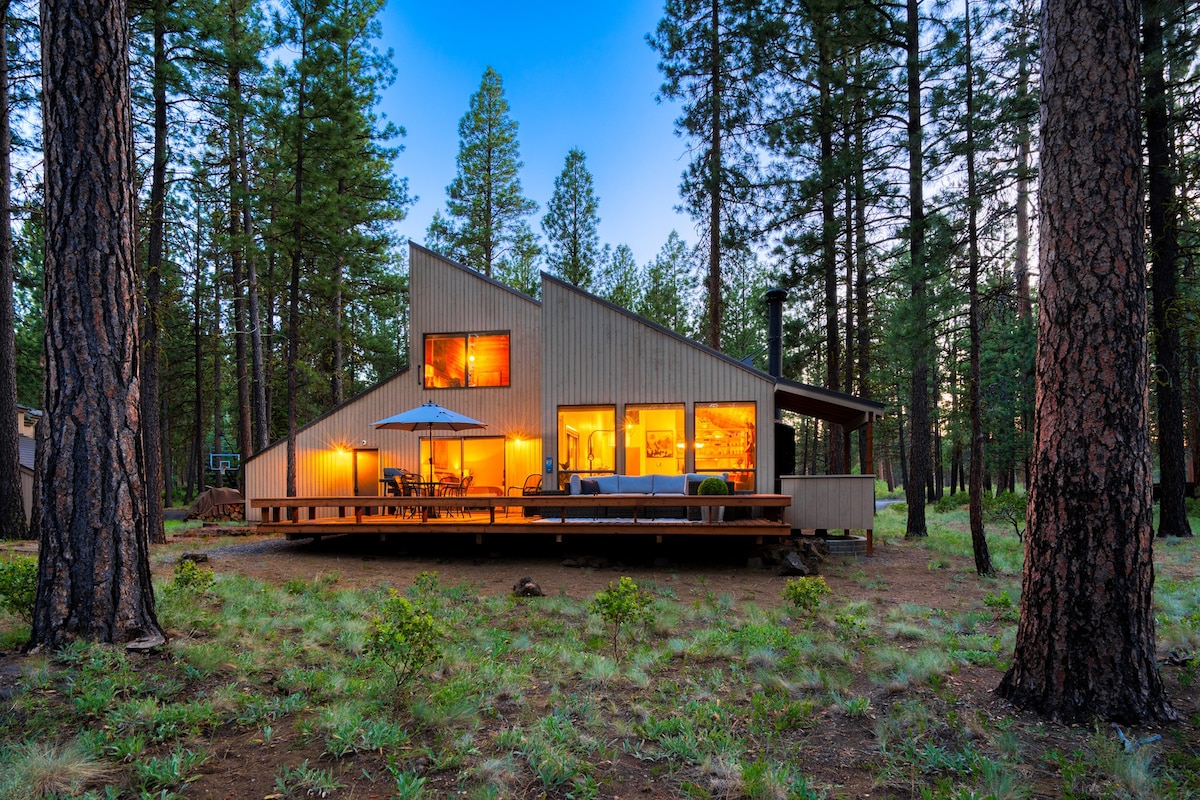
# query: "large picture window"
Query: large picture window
{"points": [[587, 441], [655, 440], [726, 441], [466, 360]]}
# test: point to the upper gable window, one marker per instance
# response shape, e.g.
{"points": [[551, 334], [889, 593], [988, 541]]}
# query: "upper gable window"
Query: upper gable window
{"points": [[457, 360]]}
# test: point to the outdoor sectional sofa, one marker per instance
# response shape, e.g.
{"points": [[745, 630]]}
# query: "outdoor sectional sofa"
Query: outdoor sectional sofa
{"points": [[657, 485]]}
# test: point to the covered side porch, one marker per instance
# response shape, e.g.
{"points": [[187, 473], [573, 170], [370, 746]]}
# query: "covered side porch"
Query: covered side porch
{"points": [[820, 503]]}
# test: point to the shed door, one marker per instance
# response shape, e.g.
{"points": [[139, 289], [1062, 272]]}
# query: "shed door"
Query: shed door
{"points": [[366, 473]]}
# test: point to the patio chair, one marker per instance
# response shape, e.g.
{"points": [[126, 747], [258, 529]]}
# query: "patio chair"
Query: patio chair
{"points": [[460, 490], [532, 486], [410, 487], [451, 486]]}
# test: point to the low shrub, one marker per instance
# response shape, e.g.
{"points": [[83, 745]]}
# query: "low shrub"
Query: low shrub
{"points": [[190, 578], [18, 586], [405, 637], [1006, 507], [806, 593], [623, 603]]}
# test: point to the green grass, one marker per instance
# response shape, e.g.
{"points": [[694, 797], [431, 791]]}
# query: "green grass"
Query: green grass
{"points": [[708, 696]]}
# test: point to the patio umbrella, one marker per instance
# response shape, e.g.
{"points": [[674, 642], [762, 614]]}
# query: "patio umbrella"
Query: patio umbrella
{"points": [[429, 417]]}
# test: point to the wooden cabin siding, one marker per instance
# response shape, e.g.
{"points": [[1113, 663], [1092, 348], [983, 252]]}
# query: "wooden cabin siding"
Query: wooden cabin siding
{"points": [[596, 354], [448, 298], [445, 297], [830, 502], [27, 492]]}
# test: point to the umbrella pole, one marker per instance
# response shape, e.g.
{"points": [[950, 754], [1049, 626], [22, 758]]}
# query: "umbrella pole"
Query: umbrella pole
{"points": [[431, 457]]}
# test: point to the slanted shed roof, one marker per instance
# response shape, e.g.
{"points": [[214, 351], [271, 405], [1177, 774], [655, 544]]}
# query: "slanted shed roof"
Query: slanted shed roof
{"points": [[825, 404], [842, 409]]}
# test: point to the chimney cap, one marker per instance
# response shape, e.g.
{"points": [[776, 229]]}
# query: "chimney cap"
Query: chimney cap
{"points": [[777, 294]]}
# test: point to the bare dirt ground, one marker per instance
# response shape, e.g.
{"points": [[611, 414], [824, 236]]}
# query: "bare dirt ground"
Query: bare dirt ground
{"points": [[578, 568], [841, 753]]}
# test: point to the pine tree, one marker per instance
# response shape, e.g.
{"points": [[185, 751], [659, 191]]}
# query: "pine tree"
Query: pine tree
{"points": [[745, 327], [12, 511], [620, 278], [94, 566], [572, 242], [706, 63], [670, 287], [1162, 212], [1085, 644], [485, 225]]}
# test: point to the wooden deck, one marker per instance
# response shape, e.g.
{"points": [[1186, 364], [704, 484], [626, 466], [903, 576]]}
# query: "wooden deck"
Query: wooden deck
{"points": [[483, 515]]}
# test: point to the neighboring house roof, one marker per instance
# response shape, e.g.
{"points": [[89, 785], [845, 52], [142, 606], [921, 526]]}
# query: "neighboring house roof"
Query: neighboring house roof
{"points": [[27, 451]]}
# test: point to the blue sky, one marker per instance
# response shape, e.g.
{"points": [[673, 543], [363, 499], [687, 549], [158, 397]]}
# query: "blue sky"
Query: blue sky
{"points": [[575, 75]]}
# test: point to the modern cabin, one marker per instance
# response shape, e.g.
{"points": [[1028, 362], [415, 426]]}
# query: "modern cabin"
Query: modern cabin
{"points": [[570, 385]]}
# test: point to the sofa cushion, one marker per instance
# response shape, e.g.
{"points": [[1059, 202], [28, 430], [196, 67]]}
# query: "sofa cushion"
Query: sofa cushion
{"points": [[636, 484], [588, 486], [670, 484], [608, 484]]}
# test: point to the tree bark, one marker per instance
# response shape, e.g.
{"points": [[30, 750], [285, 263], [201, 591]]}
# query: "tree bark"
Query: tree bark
{"points": [[237, 244], [297, 258], [94, 570], [1085, 641], [1164, 274], [979, 545], [715, 184], [151, 433], [12, 507], [918, 423]]}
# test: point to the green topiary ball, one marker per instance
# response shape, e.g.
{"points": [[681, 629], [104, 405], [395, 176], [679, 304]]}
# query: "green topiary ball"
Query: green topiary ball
{"points": [[712, 486]]}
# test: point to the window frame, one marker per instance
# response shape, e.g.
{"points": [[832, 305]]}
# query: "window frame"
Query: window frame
{"points": [[467, 371]]}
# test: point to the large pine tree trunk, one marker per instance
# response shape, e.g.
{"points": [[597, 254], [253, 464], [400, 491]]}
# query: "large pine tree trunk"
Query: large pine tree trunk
{"points": [[12, 508], [1164, 249], [1085, 642], [94, 570]]}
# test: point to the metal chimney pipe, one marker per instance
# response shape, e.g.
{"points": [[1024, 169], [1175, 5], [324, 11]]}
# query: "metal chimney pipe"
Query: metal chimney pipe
{"points": [[775, 298]]}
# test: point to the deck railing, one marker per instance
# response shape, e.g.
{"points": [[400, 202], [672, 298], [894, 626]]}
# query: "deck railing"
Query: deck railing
{"points": [[277, 509]]}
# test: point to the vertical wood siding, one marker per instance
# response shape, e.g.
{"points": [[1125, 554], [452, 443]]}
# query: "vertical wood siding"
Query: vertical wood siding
{"points": [[445, 297], [595, 354], [571, 349], [833, 502]]}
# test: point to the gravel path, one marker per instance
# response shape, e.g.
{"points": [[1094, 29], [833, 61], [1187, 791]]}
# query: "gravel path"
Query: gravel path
{"points": [[253, 548]]}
